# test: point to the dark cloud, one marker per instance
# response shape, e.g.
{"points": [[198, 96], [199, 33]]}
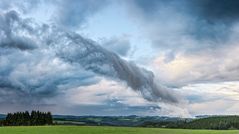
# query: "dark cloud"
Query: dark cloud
{"points": [[32, 74], [10, 93], [21, 43], [94, 58], [216, 11], [152, 8], [213, 11], [62, 60], [170, 23], [10, 24], [213, 18]]}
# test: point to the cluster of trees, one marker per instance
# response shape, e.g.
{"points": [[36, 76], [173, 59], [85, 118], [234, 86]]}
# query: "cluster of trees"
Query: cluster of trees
{"points": [[27, 119], [216, 122]]}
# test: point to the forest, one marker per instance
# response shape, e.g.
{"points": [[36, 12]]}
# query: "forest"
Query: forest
{"points": [[216, 122], [213, 122], [36, 118]]}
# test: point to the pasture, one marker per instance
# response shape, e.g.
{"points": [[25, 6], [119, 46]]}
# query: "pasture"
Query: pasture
{"points": [[105, 130]]}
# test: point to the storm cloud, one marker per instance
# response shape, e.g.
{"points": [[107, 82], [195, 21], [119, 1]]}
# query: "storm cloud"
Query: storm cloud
{"points": [[139, 45], [194, 24], [194, 40], [216, 11], [48, 60], [214, 18]]}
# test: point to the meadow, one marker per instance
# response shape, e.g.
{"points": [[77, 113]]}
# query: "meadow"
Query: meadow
{"points": [[105, 130]]}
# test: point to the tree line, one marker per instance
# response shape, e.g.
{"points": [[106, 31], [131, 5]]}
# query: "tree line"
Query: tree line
{"points": [[214, 122], [36, 118]]}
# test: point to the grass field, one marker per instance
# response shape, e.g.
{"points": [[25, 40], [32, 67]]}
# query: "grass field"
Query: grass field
{"points": [[104, 130]]}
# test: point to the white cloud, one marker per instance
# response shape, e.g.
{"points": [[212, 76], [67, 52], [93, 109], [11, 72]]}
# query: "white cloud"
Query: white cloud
{"points": [[204, 66], [109, 94], [106, 91], [212, 98]]}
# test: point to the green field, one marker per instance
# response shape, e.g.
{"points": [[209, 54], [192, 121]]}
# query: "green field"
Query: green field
{"points": [[105, 130]]}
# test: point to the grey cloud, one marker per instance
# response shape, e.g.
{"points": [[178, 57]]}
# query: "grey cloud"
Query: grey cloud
{"points": [[8, 30], [63, 60], [74, 13], [213, 11], [21, 43], [101, 61], [113, 110], [213, 18], [174, 24], [201, 33], [151, 8], [33, 74], [216, 11], [9, 93], [68, 14], [23, 6], [120, 45]]}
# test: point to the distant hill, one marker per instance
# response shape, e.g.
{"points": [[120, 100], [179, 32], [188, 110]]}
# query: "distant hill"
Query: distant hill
{"points": [[113, 120], [200, 122]]}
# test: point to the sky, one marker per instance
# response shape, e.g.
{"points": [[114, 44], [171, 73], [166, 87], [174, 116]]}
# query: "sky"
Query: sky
{"points": [[120, 57]]}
